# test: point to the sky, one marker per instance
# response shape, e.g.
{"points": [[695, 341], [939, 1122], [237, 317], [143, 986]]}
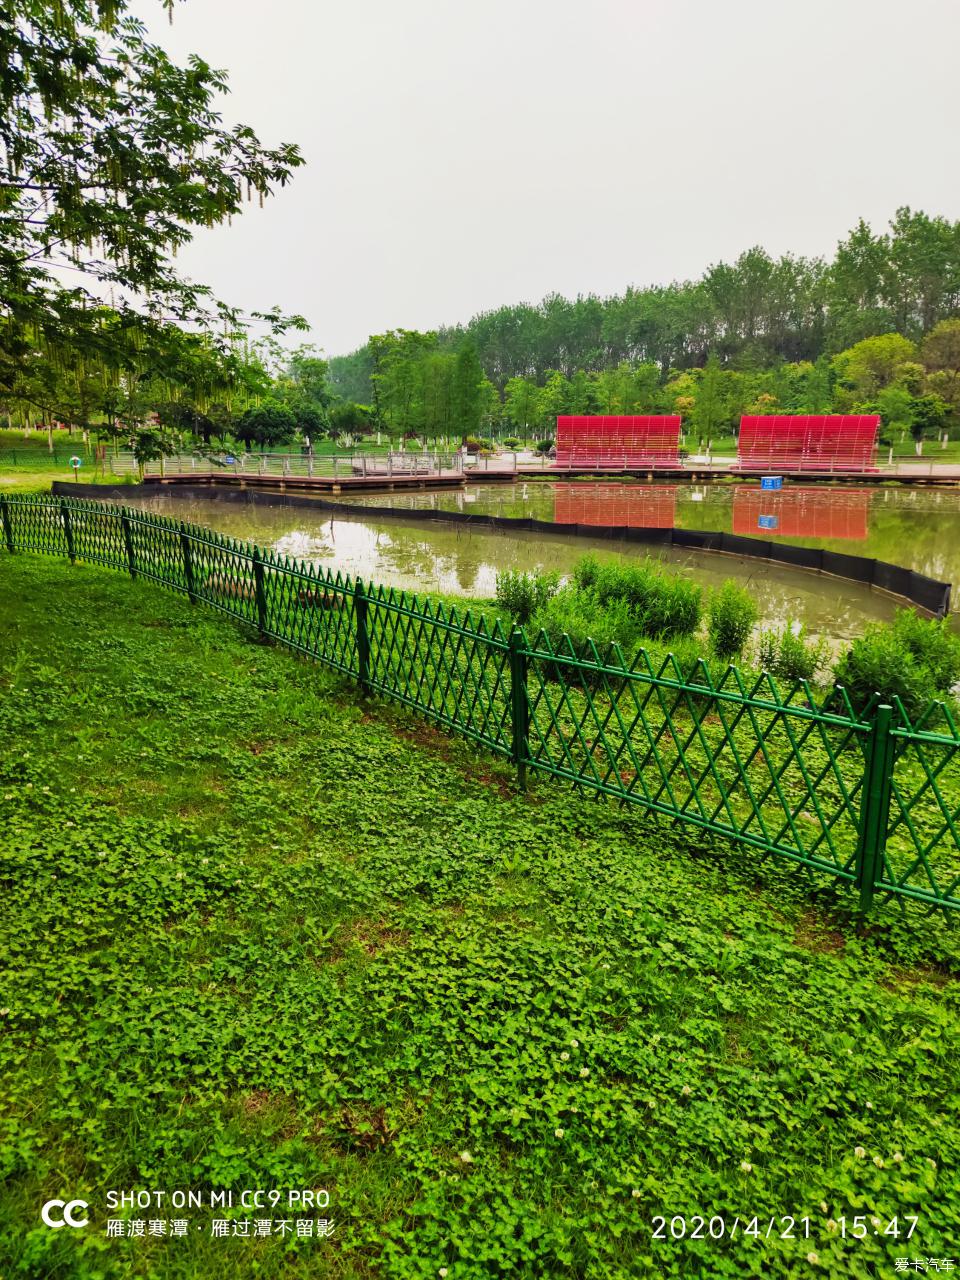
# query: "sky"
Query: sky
{"points": [[464, 155]]}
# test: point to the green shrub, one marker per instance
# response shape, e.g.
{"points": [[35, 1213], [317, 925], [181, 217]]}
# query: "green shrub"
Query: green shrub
{"points": [[585, 571], [879, 662], [933, 644], [543, 446], [663, 604], [731, 617], [572, 613], [788, 655], [522, 594], [510, 442]]}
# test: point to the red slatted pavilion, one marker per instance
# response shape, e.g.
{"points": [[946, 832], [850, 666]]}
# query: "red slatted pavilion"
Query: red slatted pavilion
{"points": [[618, 442], [808, 442]]}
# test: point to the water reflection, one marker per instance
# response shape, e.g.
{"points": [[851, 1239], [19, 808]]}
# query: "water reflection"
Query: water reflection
{"points": [[801, 512], [454, 559], [615, 504]]}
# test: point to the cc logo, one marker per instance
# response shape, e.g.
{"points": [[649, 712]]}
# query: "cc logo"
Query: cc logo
{"points": [[66, 1218]]}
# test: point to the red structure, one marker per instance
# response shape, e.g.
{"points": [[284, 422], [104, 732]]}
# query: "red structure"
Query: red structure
{"points": [[808, 442], [616, 504], [618, 442], [800, 512]]}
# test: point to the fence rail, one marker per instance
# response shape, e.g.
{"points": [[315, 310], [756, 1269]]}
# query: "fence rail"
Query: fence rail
{"points": [[867, 798]]}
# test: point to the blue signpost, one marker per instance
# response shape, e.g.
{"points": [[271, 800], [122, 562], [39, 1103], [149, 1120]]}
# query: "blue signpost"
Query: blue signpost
{"points": [[771, 482], [767, 522]]}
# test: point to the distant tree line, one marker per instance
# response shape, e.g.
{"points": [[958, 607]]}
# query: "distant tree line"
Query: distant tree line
{"points": [[760, 335]]}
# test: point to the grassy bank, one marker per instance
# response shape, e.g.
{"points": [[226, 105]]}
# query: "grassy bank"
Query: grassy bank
{"points": [[259, 934]]}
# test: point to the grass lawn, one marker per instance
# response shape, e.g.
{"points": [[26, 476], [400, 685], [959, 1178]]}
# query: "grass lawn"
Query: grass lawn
{"points": [[258, 934]]}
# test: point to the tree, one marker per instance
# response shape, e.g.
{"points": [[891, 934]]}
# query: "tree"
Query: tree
{"points": [[468, 398], [349, 418], [112, 155], [270, 423], [941, 356], [522, 396], [870, 365], [929, 415]]}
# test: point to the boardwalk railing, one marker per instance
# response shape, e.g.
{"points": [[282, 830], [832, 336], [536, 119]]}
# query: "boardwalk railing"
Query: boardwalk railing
{"points": [[868, 799], [321, 465]]}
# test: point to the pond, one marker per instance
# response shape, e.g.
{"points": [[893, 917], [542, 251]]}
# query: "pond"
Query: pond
{"points": [[918, 527], [461, 561]]}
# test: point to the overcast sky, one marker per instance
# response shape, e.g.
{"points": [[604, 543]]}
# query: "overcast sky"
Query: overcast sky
{"points": [[462, 155]]}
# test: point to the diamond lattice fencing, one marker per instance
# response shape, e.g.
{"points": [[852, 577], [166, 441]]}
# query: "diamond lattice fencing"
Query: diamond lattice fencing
{"points": [[865, 798]]}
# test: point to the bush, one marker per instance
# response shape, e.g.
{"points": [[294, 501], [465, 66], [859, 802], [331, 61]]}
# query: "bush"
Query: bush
{"points": [[585, 571], [543, 446], [933, 645], [662, 604], [879, 662], [916, 660], [522, 594], [788, 655], [731, 618], [569, 613], [510, 442]]}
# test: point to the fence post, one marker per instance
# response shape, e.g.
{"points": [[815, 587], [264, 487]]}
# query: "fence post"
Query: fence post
{"points": [[261, 596], [7, 529], [128, 541], [875, 806], [68, 530], [188, 565], [519, 706], [363, 636]]}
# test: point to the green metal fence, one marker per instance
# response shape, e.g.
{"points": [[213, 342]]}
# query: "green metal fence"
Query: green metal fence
{"points": [[870, 799]]}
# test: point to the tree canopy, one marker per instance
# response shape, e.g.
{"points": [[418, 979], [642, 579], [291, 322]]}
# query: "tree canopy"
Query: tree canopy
{"points": [[112, 156]]}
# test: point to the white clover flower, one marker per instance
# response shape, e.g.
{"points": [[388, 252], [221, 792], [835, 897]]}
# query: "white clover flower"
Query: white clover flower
{"points": [[813, 1258], [878, 1161], [823, 1206], [832, 1224], [686, 1091], [4, 1011], [651, 1104], [869, 1106], [466, 1157], [584, 1072], [746, 1166], [860, 1153], [898, 1157], [574, 1044], [931, 1163], [442, 1271], [558, 1133], [564, 1057], [635, 1193], [604, 966], [45, 790]]}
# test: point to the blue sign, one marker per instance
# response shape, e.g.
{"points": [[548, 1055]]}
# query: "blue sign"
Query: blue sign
{"points": [[767, 522], [771, 482], [230, 460]]}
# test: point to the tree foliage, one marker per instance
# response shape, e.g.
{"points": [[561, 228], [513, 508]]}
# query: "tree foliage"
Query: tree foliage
{"points": [[112, 156]]}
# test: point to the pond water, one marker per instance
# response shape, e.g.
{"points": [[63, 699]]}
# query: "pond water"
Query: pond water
{"points": [[917, 527], [456, 560]]}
